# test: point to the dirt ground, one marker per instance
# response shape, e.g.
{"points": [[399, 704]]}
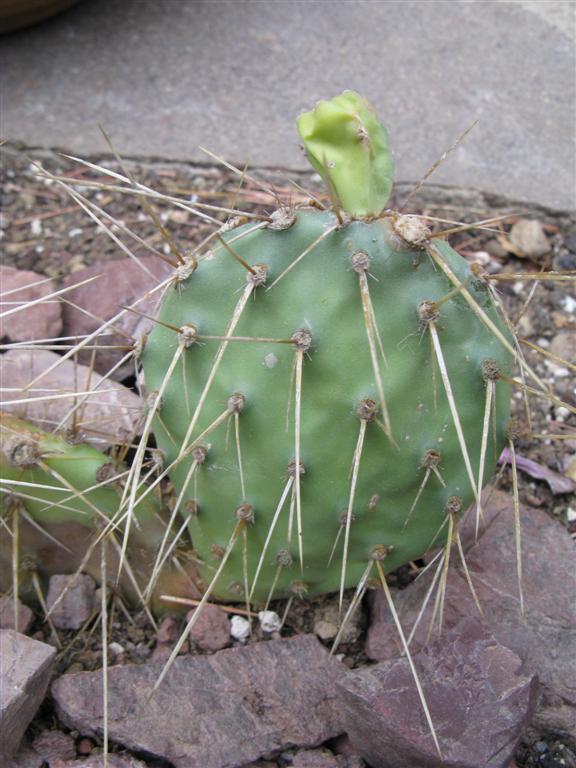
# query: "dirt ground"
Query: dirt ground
{"points": [[44, 230]]}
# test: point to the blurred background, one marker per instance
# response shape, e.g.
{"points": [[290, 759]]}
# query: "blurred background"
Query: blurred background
{"points": [[163, 76]]}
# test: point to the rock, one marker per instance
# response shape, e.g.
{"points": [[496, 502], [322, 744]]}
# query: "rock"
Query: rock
{"points": [[269, 621], [116, 653], [77, 604], [108, 416], [325, 630], [168, 633], [42, 321], [479, 697], [26, 757], [528, 237], [564, 345], [122, 281], [85, 746], [25, 615], [54, 745], [97, 761], [215, 711], [545, 638], [212, 629], [315, 758], [239, 628], [327, 621], [495, 248], [25, 673]]}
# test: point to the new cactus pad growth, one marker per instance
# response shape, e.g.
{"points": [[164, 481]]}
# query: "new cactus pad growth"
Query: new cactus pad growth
{"points": [[322, 381]]}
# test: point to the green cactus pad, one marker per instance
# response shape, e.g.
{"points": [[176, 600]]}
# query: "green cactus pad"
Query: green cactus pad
{"points": [[56, 481], [321, 295], [348, 147]]}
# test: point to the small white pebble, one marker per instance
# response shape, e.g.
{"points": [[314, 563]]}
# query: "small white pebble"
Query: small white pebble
{"points": [[482, 257], [561, 373], [562, 413], [544, 343], [569, 304], [75, 232], [571, 514], [518, 288], [36, 227], [239, 628], [269, 621]]}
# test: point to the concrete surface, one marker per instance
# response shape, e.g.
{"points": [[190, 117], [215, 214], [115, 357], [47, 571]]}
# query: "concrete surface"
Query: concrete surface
{"points": [[166, 75]]}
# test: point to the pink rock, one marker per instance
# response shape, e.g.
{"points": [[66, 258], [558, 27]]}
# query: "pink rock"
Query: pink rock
{"points": [[224, 709], [25, 673], [26, 757], [109, 414], [168, 631], [121, 283], [25, 615], [97, 761], [41, 321], [77, 604], [54, 745], [212, 630], [545, 638], [478, 695]]}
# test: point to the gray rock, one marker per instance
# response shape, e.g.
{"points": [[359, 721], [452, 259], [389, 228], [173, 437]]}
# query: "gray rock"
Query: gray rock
{"points": [[25, 615], [529, 239], [54, 746], [78, 602], [564, 345], [478, 696], [26, 757], [315, 758], [107, 416], [212, 629], [217, 711], [545, 638], [25, 670], [327, 620], [402, 55], [122, 281], [97, 761], [42, 321]]}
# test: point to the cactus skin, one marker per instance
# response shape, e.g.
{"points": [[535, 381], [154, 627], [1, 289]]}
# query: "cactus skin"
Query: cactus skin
{"points": [[348, 147], [77, 468], [322, 294]]}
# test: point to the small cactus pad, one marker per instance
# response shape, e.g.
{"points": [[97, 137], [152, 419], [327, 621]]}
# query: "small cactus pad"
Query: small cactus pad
{"points": [[306, 420], [71, 493]]}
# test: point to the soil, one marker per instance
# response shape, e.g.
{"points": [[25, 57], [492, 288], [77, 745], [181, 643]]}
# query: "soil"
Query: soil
{"points": [[44, 230]]}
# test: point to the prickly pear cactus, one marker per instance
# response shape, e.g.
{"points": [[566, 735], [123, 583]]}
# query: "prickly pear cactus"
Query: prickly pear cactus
{"points": [[326, 384], [65, 498]]}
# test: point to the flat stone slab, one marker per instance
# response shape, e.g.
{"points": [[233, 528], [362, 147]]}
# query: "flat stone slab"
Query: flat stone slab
{"points": [[544, 638], [25, 667], [479, 698], [118, 282], [108, 414], [218, 711], [234, 74]]}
